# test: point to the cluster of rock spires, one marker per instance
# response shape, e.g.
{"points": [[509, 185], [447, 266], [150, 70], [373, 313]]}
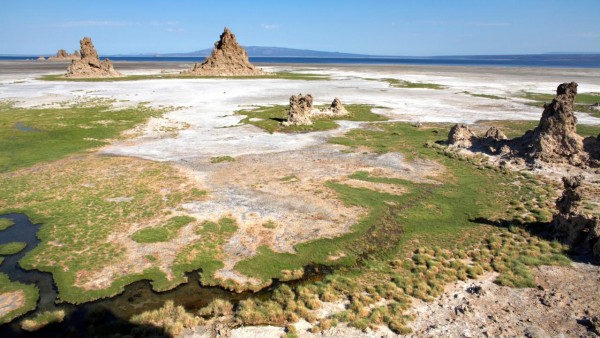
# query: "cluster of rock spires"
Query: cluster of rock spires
{"points": [[228, 58], [89, 65], [572, 225], [301, 110], [63, 55], [554, 140]]}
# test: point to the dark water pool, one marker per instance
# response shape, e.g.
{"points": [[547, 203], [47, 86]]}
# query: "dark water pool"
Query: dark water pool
{"points": [[109, 316]]}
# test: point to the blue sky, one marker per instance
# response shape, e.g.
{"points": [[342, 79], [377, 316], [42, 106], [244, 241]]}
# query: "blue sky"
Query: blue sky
{"points": [[414, 28]]}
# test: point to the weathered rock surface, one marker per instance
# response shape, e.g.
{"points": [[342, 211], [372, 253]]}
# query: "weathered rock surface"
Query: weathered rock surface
{"points": [[90, 66], [336, 109], [461, 136], [495, 134], [301, 108], [572, 225], [63, 55], [554, 140], [41, 58], [228, 58]]}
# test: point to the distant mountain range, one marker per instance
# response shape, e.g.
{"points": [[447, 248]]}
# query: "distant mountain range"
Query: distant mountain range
{"points": [[256, 51]]}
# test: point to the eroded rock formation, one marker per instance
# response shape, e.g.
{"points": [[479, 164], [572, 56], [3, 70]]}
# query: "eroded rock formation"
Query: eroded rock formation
{"points": [[301, 108], [41, 58], [90, 66], [63, 55], [572, 225], [336, 109], [228, 58], [461, 136], [554, 140]]}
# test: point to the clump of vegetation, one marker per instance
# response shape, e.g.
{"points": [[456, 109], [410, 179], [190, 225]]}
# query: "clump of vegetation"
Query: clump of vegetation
{"points": [[270, 224], [219, 159], [12, 248], [162, 233], [270, 118], [486, 96], [42, 319], [174, 319], [29, 293], [409, 84], [217, 308], [5, 223]]}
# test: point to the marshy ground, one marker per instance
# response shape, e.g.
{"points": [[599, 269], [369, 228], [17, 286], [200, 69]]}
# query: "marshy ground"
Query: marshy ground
{"points": [[151, 178]]}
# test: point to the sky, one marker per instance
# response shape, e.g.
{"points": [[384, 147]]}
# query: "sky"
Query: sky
{"points": [[376, 27]]}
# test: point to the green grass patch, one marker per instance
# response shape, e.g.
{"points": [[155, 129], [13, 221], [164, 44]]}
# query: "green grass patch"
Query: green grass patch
{"points": [[270, 118], [582, 101], [396, 83], [5, 223], [32, 135], [279, 75], [486, 96], [162, 233], [514, 129], [12, 248], [30, 292], [219, 159]]}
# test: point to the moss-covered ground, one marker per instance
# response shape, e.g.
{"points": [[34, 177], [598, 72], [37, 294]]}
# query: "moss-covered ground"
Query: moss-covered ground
{"points": [[32, 135], [30, 293], [582, 101], [396, 83], [270, 118], [5, 223]]}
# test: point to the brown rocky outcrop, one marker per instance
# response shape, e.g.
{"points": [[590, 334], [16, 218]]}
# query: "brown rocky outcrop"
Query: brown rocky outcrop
{"points": [[572, 225], [90, 66], [228, 58], [301, 108], [461, 136], [41, 58], [63, 55], [554, 140], [337, 108], [494, 134]]}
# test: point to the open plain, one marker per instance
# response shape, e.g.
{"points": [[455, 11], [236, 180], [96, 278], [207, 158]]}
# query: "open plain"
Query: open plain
{"points": [[155, 177]]}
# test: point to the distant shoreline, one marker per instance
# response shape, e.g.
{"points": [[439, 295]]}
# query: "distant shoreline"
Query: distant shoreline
{"points": [[537, 61]]}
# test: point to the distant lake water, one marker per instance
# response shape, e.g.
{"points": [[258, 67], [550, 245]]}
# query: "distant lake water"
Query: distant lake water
{"points": [[543, 60]]}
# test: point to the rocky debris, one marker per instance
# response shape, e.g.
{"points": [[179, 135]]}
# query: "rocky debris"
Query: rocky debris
{"points": [[63, 55], [301, 108], [461, 136], [596, 106], [554, 140], [569, 294], [494, 134], [572, 225], [228, 58], [90, 66]]}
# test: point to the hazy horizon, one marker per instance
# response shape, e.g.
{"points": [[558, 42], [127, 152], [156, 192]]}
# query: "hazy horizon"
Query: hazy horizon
{"points": [[387, 28]]}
